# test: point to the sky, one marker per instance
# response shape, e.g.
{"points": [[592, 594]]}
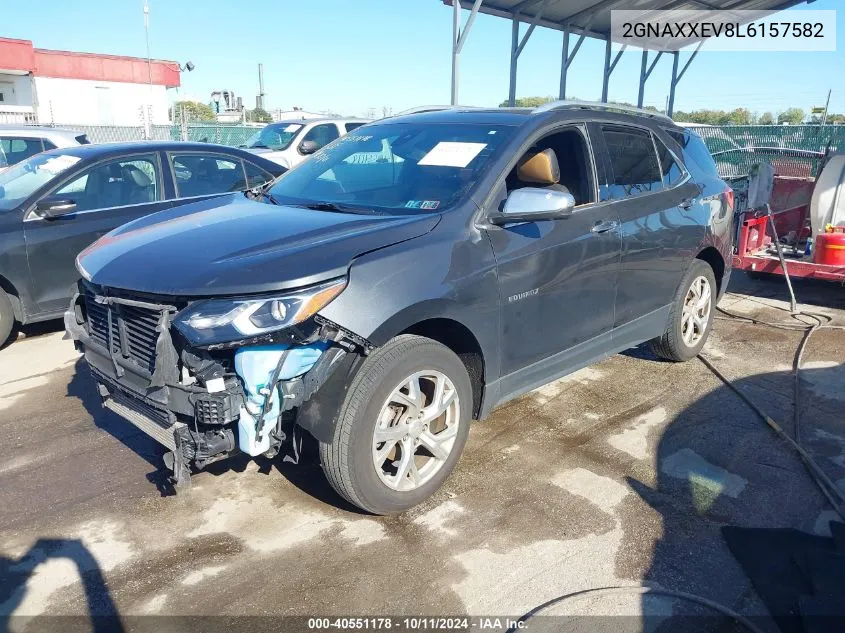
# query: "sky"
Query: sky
{"points": [[349, 56]]}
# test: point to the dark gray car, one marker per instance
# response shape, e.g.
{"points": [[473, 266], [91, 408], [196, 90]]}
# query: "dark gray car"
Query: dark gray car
{"points": [[55, 203], [403, 281]]}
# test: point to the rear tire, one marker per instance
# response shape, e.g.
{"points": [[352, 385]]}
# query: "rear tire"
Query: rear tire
{"points": [[7, 318], [691, 316], [379, 457]]}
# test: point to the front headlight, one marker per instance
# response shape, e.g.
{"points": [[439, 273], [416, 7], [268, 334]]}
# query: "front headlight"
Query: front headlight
{"points": [[225, 320]]}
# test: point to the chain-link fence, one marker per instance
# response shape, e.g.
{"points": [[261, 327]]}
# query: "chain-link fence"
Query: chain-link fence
{"points": [[231, 135], [794, 150]]}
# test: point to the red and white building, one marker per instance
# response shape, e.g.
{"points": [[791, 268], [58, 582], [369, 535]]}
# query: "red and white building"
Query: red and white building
{"points": [[46, 86]]}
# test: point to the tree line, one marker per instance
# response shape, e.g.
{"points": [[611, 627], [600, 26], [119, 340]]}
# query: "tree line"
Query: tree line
{"points": [[737, 116]]}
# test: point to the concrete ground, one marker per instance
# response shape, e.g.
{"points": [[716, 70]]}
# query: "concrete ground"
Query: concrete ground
{"points": [[621, 473]]}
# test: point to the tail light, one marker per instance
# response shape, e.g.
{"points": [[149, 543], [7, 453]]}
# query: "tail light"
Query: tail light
{"points": [[729, 199]]}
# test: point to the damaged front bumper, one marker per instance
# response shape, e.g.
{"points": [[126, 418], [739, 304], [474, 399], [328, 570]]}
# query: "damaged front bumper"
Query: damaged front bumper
{"points": [[202, 405]]}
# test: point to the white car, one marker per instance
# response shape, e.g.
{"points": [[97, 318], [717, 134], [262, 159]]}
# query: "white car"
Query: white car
{"points": [[290, 142], [19, 142]]}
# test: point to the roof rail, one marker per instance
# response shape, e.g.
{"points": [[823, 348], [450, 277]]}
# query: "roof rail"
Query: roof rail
{"points": [[597, 105], [426, 108]]}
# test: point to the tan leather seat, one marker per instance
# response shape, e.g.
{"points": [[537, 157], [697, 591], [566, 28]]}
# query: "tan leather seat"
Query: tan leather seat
{"points": [[539, 168]]}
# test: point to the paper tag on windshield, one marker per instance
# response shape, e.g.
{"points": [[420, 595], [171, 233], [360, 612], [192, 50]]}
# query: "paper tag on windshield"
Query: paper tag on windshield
{"points": [[58, 164], [450, 154], [293, 127]]}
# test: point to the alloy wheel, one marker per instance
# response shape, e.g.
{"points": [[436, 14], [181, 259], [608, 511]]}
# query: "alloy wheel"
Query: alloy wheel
{"points": [[695, 315], [416, 430]]}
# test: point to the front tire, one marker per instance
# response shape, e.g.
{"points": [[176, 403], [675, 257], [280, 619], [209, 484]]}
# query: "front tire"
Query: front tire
{"points": [[402, 426], [7, 318], [691, 316]]}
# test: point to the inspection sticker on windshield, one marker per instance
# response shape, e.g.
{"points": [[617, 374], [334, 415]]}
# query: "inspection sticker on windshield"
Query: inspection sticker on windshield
{"points": [[422, 204], [450, 154]]}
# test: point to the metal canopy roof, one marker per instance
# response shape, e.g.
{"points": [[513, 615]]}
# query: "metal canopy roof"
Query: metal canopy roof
{"points": [[586, 18], [593, 16]]}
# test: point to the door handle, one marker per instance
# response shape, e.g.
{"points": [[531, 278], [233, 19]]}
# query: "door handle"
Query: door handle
{"points": [[686, 203], [604, 226]]}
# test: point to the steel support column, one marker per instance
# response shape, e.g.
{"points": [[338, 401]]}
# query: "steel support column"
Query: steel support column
{"points": [[677, 76], [458, 39], [514, 58], [517, 45], [564, 63], [608, 67], [567, 57], [645, 74]]}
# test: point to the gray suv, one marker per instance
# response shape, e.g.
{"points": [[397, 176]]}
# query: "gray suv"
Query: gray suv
{"points": [[402, 282]]}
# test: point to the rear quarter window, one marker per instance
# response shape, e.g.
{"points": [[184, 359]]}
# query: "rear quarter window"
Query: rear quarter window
{"points": [[695, 151]]}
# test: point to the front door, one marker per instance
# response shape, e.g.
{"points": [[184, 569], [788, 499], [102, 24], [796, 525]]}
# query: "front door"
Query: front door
{"points": [[107, 195], [557, 278]]}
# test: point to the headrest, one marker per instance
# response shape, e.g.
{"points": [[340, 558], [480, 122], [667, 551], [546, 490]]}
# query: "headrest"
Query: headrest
{"points": [[135, 175], [539, 167]]}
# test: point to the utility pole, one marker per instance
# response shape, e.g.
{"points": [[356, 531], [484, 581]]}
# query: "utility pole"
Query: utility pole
{"points": [[148, 122], [826, 105], [147, 37]]}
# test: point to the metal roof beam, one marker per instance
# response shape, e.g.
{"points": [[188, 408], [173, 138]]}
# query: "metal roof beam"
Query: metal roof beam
{"points": [[556, 26], [591, 11]]}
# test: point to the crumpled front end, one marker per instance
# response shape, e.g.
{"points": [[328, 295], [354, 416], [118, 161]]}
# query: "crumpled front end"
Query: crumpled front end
{"points": [[203, 400]]}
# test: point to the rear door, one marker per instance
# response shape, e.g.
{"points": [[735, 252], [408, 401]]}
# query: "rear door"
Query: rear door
{"points": [[655, 199], [107, 194]]}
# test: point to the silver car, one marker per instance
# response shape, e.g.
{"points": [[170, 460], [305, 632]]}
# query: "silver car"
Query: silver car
{"points": [[19, 142]]}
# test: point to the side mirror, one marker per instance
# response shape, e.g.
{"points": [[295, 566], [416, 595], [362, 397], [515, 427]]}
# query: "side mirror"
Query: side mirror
{"points": [[51, 208], [308, 147], [530, 204]]}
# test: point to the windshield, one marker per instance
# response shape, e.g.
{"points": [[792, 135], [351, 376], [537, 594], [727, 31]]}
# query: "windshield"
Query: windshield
{"points": [[405, 168], [22, 180], [276, 136]]}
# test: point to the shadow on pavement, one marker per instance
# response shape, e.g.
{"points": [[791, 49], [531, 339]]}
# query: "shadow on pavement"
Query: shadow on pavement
{"points": [[718, 465], [15, 573], [755, 480]]}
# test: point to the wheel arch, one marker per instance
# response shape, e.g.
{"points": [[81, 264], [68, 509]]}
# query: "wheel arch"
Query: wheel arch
{"points": [[714, 259], [460, 339], [14, 297]]}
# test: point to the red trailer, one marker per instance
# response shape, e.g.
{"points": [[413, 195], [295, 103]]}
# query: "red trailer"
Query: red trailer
{"points": [[755, 249]]}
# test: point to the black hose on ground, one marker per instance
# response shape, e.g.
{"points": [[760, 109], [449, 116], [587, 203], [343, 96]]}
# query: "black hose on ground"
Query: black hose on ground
{"points": [[820, 322]]}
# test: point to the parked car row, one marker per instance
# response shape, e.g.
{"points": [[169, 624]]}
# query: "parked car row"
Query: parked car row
{"points": [[394, 285]]}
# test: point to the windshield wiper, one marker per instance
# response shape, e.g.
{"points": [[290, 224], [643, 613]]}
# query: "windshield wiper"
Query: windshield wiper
{"points": [[330, 206], [258, 145]]}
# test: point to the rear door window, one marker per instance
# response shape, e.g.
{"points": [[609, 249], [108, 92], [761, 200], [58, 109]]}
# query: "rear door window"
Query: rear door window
{"points": [[635, 169], [671, 171], [695, 151], [200, 174], [352, 126]]}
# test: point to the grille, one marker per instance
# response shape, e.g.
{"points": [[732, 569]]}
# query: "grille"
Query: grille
{"points": [[138, 406], [139, 324]]}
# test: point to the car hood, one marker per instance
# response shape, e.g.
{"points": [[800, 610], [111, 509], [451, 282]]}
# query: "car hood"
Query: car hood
{"points": [[233, 245]]}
